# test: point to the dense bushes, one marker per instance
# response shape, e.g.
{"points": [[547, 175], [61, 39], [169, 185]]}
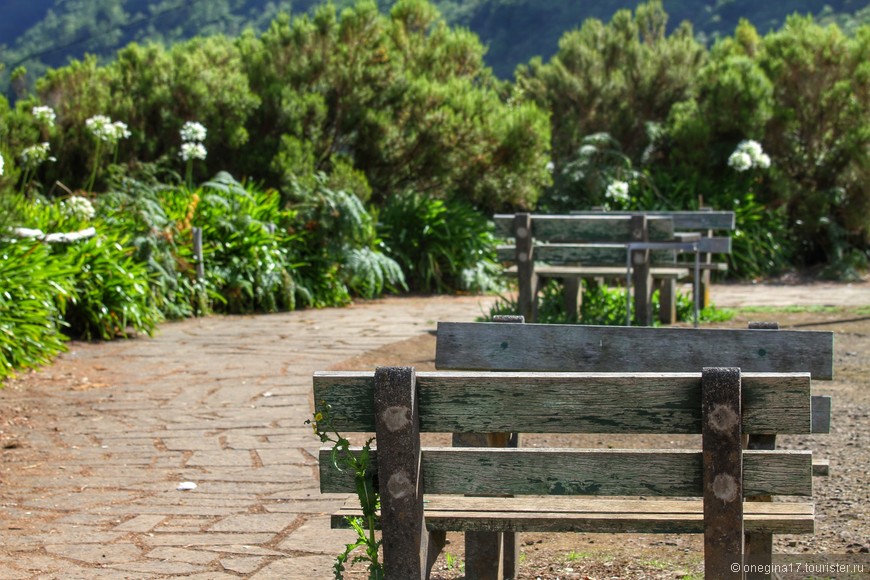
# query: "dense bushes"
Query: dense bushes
{"points": [[369, 148]]}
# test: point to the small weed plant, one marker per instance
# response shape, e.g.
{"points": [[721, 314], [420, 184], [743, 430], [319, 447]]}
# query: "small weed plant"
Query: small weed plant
{"points": [[344, 458]]}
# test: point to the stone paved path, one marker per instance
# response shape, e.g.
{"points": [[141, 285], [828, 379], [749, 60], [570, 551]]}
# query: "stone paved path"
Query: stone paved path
{"points": [[220, 402]]}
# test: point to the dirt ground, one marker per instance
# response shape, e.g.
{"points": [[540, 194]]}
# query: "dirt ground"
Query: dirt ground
{"points": [[842, 525]]}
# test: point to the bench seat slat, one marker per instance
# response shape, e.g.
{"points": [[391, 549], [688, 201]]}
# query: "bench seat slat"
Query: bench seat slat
{"points": [[662, 272], [610, 472], [562, 347], [589, 254], [553, 514], [587, 228], [479, 402]]}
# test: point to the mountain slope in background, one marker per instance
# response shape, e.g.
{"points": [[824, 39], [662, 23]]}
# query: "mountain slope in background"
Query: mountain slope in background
{"points": [[48, 33]]}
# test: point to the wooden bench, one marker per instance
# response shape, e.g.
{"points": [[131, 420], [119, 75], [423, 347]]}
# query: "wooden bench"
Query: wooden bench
{"points": [[595, 245], [723, 384]]}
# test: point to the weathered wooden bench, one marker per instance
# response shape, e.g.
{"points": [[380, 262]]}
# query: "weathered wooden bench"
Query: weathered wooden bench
{"points": [[595, 245], [723, 384]]}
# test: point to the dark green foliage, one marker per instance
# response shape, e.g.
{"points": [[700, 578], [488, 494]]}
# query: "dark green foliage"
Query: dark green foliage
{"points": [[441, 246]]}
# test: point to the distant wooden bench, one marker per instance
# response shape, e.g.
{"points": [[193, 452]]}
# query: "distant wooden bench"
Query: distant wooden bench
{"points": [[723, 384], [596, 245]]}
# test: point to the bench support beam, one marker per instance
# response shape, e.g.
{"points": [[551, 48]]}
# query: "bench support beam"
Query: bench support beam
{"points": [[409, 550], [528, 283], [723, 471]]}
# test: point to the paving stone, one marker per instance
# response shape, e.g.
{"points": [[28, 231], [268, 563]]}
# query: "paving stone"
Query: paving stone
{"points": [[242, 565], [317, 567], [206, 539], [170, 554], [140, 523], [99, 553], [248, 523], [316, 536]]}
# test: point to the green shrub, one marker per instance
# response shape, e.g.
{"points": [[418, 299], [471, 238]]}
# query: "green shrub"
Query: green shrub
{"points": [[35, 290], [442, 247]]}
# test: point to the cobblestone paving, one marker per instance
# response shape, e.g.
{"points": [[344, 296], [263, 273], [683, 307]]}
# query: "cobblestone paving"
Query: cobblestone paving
{"points": [[220, 402]]}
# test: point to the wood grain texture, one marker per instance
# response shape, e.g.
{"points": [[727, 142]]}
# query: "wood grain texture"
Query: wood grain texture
{"points": [[554, 347], [683, 220], [597, 472], [481, 402], [592, 253], [591, 228], [555, 514]]}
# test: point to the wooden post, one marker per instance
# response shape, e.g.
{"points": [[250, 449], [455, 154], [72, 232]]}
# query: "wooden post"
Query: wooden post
{"points": [[573, 298], [400, 482], [640, 278], [723, 472], [527, 299], [668, 301], [197, 254], [759, 545]]}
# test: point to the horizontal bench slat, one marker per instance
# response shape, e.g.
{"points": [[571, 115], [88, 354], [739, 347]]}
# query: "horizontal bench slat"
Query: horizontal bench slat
{"points": [[594, 228], [555, 514], [562, 347], [610, 472], [683, 219], [587, 254], [481, 402]]}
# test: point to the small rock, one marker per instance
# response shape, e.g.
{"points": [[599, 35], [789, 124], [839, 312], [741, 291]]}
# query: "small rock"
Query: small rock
{"points": [[186, 486]]}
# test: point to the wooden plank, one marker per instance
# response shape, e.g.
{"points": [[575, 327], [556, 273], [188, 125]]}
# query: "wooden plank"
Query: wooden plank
{"points": [[555, 347], [722, 472], [558, 514], [592, 228], [482, 402], [647, 472], [641, 280], [821, 414], [715, 245], [594, 254], [684, 219], [821, 467]]}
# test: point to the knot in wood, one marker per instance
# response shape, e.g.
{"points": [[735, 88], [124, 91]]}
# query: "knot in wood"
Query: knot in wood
{"points": [[399, 485], [523, 257], [396, 418], [723, 418], [522, 233], [725, 487]]}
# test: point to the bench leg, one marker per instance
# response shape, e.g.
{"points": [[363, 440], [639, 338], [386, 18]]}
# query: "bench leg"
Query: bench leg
{"points": [[723, 472], [573, 288], [668, 301], [483, 556]]}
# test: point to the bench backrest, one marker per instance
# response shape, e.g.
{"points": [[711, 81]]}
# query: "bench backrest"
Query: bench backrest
{"points": [[481, 346], [632, 403], [587, 239]]}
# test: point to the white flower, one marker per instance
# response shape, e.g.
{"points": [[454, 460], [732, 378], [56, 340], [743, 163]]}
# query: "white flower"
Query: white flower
{"points": [[192, 131], [747, 155], [104, 129], [78, 207], [44, 115], [617, 191], [550, 166], [1, 165], [34, 155], [192, 151], [120, 131], [740, 161]]}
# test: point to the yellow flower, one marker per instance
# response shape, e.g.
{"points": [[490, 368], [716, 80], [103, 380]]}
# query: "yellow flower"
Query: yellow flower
{"points": [[318, 417]]}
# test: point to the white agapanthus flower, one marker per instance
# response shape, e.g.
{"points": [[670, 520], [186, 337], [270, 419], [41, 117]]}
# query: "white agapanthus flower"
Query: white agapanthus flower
{"points": [[617, 191], [192, 132], [104, 129], [44, 115], [747, 155], [191, 150], [35, 155], [78, 207]]}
